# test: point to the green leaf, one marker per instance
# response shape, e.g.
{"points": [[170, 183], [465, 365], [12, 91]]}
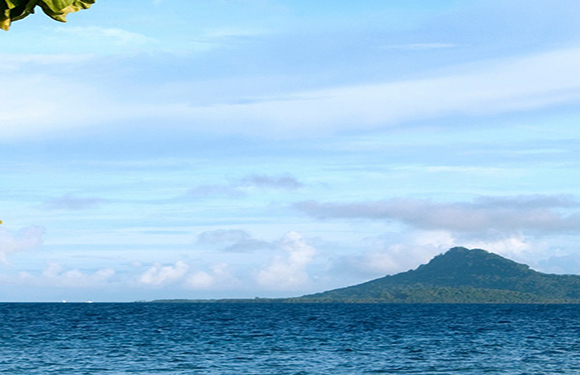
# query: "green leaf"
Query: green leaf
{"points": [[58, 9], [13, 10]]}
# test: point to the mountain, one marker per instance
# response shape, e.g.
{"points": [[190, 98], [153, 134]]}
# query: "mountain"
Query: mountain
{"points": [[460, 276]]}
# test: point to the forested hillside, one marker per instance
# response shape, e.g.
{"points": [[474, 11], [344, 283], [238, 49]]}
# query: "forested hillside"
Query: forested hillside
{"points": [[461, 276]]}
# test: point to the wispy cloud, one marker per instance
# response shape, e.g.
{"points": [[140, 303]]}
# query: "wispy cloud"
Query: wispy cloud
{"points": [[285, 182], [27, 238], [229, 191], [70, 202], [232, 240], [231, 33], [501, 86], [503, 215], [510, 85], [420, 46], [102, 34], [244, 185], [52, 105], [16, 62]]}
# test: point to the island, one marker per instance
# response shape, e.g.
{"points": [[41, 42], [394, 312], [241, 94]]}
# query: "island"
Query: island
{"points": [[460, 275]]}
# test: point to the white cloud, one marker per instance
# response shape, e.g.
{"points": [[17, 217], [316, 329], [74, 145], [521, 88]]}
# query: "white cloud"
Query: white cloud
{"points": [[18, 62], [56, 276], [515, 246], [159, 274], [200, 280], [518, 84], [288, 271], [386, 255], [214, 277], [92, 34], [25, 239], [502, 86], [395, 253], [51, 106], [218, 277]]}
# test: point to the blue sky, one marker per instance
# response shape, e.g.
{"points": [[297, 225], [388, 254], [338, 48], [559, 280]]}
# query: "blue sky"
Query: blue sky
{"points": [[244, 148]]}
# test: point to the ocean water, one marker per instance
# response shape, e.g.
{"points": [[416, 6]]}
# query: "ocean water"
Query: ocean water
{"points": [[148, 338]]}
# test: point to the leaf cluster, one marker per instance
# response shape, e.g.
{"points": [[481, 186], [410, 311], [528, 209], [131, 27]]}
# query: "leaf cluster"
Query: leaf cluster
{"points": [[14, 10]]}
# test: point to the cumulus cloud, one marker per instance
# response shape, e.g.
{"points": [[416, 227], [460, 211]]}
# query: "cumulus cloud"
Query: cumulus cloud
{"points": [[515, 246], [25, 239], [218, 276], [504, 215], [389, 254], [159, 274], [55, 275], [200, 280], [182, 275], [401, 251], [70, 202], [288, 270]]}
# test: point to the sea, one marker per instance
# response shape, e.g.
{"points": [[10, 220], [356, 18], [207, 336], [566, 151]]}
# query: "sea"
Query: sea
{"points": [[254, 338]]}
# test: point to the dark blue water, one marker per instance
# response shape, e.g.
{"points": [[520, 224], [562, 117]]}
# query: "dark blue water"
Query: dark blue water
{"points": [[143, 338]]}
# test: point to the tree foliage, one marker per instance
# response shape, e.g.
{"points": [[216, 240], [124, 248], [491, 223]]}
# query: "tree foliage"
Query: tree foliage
{"points": [[461, 276], [14, 10]]}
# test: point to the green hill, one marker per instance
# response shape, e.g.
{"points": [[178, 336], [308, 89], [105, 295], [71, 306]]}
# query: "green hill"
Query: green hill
{"points": [[461, 276]]}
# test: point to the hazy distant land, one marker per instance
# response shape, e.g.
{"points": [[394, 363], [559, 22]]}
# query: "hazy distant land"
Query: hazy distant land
{"points": [[457, 276]]}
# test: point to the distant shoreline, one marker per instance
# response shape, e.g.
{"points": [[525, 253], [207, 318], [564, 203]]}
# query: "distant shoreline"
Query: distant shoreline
{"points": [[312, 302]]}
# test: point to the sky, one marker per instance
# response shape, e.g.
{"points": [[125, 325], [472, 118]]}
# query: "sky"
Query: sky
{"points": [[155, 149]]}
